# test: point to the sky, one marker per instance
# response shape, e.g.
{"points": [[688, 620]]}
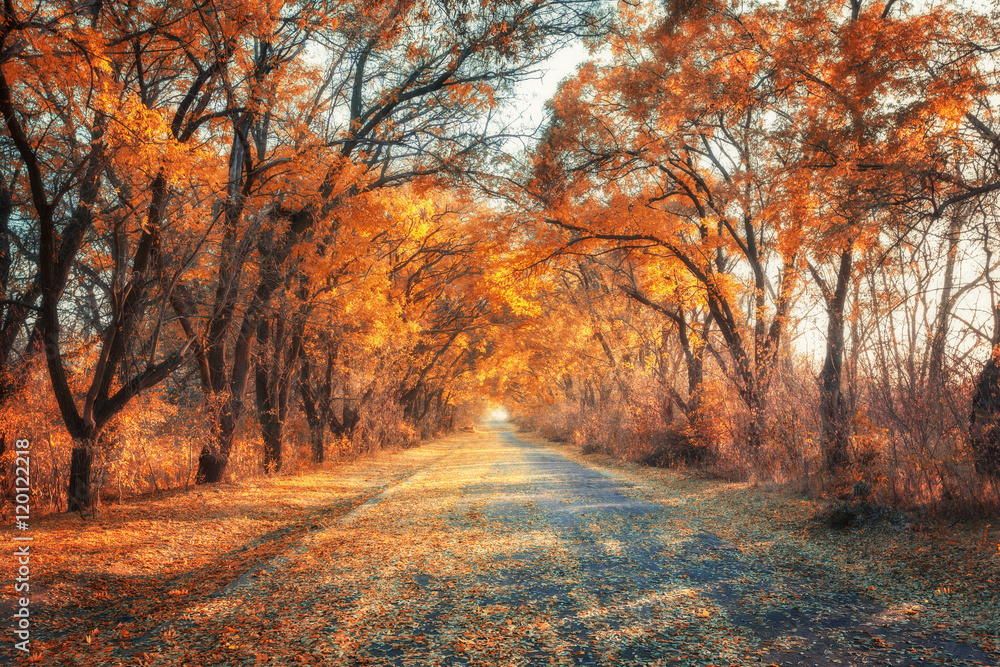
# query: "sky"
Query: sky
{"points": [[530, 109]]}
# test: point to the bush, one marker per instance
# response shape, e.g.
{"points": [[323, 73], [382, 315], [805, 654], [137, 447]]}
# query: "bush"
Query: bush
{"points": [[675, 447]]}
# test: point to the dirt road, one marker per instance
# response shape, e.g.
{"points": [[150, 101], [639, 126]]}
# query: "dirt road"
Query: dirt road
{"points": [[506, 552]]}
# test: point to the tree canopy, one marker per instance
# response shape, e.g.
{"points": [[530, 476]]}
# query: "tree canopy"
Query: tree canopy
{"points": [[761, 234]]}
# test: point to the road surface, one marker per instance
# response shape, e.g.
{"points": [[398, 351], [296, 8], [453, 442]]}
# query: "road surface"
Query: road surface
{"points": [[506, 552]]}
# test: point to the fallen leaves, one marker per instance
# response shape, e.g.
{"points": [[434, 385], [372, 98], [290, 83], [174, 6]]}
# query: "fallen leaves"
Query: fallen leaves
{"points": [[948, 565], [477, 560], [140, 564]]}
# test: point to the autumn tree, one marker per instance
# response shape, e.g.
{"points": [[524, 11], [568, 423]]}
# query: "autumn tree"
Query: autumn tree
{"points": [[87, 99], [684, 166], [878, 96], [746, 144], [671, 293], [410, 90], [222, 145]]}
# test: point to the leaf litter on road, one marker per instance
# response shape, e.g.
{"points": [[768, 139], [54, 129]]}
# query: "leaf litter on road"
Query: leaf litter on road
{"points": [[495, 549]]}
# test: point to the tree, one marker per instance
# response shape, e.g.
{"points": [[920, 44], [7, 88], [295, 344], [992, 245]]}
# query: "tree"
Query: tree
{"points": [[684, 168], [410, 92], [877, 97], [70, 113], [746, 143]]}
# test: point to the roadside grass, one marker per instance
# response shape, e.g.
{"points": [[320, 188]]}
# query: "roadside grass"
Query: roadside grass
{"points": [[946, 572], [104, 582]]}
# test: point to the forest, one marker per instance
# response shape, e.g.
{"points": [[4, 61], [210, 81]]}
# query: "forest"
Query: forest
{"points": [[756, 238]]}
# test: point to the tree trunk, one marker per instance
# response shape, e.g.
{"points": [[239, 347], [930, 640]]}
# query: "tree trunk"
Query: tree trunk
{"points": [[266, 372], [79, 494], [215, 455], [317, 441], [755, 428], [834, 417], [5, 471], [694, 358], [272, 432], [984, 420], [317, 414], [344, 427], [696, 378], [211, 466], [936, 372], [832, 405], [273, 377], [231, 382]]}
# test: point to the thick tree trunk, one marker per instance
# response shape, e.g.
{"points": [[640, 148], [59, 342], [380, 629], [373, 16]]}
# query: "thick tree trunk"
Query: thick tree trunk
{"points": [[87, 444], [696, 378], [832, 404], [756, 426], [211, 466], [215, 455], [344, 427], [273, 381], [231, 383], [317, 441], [694, 358], [317, 414], [272, 432], [79, 494], [834, 417], [318, 402], [266, 373]]}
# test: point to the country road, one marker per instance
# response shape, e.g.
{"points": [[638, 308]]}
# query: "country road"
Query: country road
{"points": [[505, 552]]}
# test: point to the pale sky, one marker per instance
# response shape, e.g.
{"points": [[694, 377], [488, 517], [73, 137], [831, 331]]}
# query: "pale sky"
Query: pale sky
{"points": [[530, 109]]}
